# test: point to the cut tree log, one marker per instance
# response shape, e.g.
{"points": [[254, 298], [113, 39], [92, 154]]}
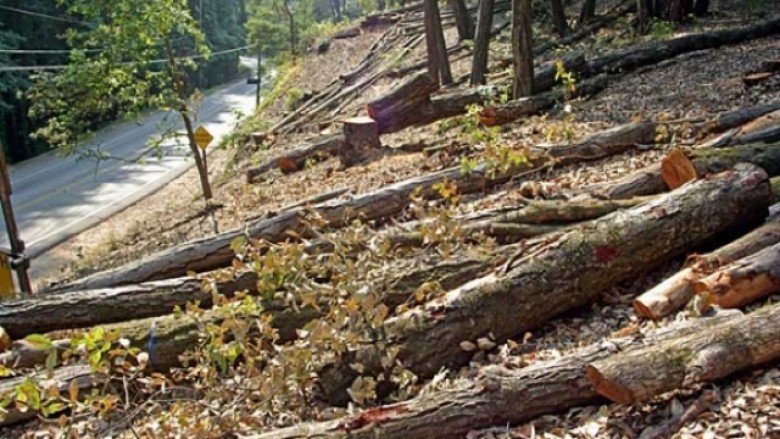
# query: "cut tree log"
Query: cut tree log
{"points": [[572, 270], [703, 356], [677, 169], [394, 108], [350, 32], [362, 143], [675, 291], [763, 129], [522, 107], [413, 108], [214, 252], [496, 395], [744, 281], [649, 181], [296, 159], [61, 381]]}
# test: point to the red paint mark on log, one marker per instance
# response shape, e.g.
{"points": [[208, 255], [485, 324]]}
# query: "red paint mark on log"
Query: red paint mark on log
{"points": [[372, 416], [605, 253]]}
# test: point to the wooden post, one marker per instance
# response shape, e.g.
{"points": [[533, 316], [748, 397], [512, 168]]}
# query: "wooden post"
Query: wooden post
{"points": [[522, 49], [482, 42], [362, 140], [20, 261]]}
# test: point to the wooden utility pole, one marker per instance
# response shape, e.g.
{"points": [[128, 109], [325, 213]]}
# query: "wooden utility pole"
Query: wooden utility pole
{"points": [[19, 260]]}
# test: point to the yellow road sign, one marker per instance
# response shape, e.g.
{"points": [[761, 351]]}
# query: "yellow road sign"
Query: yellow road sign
{"points": [[6, 280], [203, 137]]}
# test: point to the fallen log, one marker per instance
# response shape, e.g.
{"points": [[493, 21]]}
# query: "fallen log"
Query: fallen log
{"points": [[570, 271], [650, 181], [61, 381], [409, 105], [703, 356], [531, 218], [744, 281], [496, 395], [296, 159], [653, 52], [763, 129], [522, 107], [80, 309], [675, 291], [214, 252]]}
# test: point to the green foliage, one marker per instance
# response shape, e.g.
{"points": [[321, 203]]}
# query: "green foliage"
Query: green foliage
{"points": [[124, 76], [660, 29], [293, 97]]}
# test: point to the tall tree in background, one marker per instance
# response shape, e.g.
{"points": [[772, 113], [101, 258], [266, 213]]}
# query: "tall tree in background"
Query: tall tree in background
{"points": [[463, 20], [522, 49], [559, 18], [438, 61], [587, 12], [482, 42], [136, 66]]}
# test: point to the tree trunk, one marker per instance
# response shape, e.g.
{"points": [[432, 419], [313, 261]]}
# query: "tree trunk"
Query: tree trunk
{"points": [[744, 281], [438, 62], [522, 107], [295, 159], [588, 12], [650, 181], [497, 395], [482, 42], [396, 109], [703, 356], [569, 272], [675, 291], [701, 8], [362, 143], [559, 18], [522, 49], [462, 19], [763, 129]]}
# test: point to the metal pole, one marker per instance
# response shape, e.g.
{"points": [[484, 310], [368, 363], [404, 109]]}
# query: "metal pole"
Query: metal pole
{"points": [[259, 78], [21, 263]]}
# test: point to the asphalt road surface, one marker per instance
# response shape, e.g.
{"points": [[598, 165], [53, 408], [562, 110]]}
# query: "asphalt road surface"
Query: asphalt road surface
{"points": [[55, 198]]}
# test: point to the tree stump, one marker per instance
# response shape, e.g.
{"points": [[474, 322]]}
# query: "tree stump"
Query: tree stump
{"points": [[362, 141]]}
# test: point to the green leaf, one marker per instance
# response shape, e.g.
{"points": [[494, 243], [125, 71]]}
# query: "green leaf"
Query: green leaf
{"points": [[39, 341]]}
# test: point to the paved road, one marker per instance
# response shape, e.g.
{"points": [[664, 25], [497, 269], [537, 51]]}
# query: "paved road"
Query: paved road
{"points": [[55, 198]]}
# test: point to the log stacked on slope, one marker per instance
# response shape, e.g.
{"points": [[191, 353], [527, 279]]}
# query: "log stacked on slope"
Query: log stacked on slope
{"points": [[674, 292], [764, 129], [214, 252], [702, 356], [650, 181], [497, 395], [744, 281], [572, 270], [296, 159]]}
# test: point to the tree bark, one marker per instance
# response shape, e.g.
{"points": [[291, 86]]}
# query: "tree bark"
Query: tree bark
{"points": [[496, 395], [362, 143], [763, 129], [588, 12], [559, 18], [438, 62], [395, 110], [522, 49], [482, 42], [569, 272], [462, 19], [649, 181], [296, 159], [703, 356], [744, 281], [675, 291]]}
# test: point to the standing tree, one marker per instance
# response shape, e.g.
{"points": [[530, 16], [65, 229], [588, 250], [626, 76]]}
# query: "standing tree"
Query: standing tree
{"points": [[132, 66], [438, 61], [482, 42], [522, 49], [559, 18], [587, 12], [463, 19]]}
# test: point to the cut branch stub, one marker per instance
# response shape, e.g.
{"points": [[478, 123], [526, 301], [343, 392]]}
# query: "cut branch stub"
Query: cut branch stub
{"points": [[677, 169]]}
